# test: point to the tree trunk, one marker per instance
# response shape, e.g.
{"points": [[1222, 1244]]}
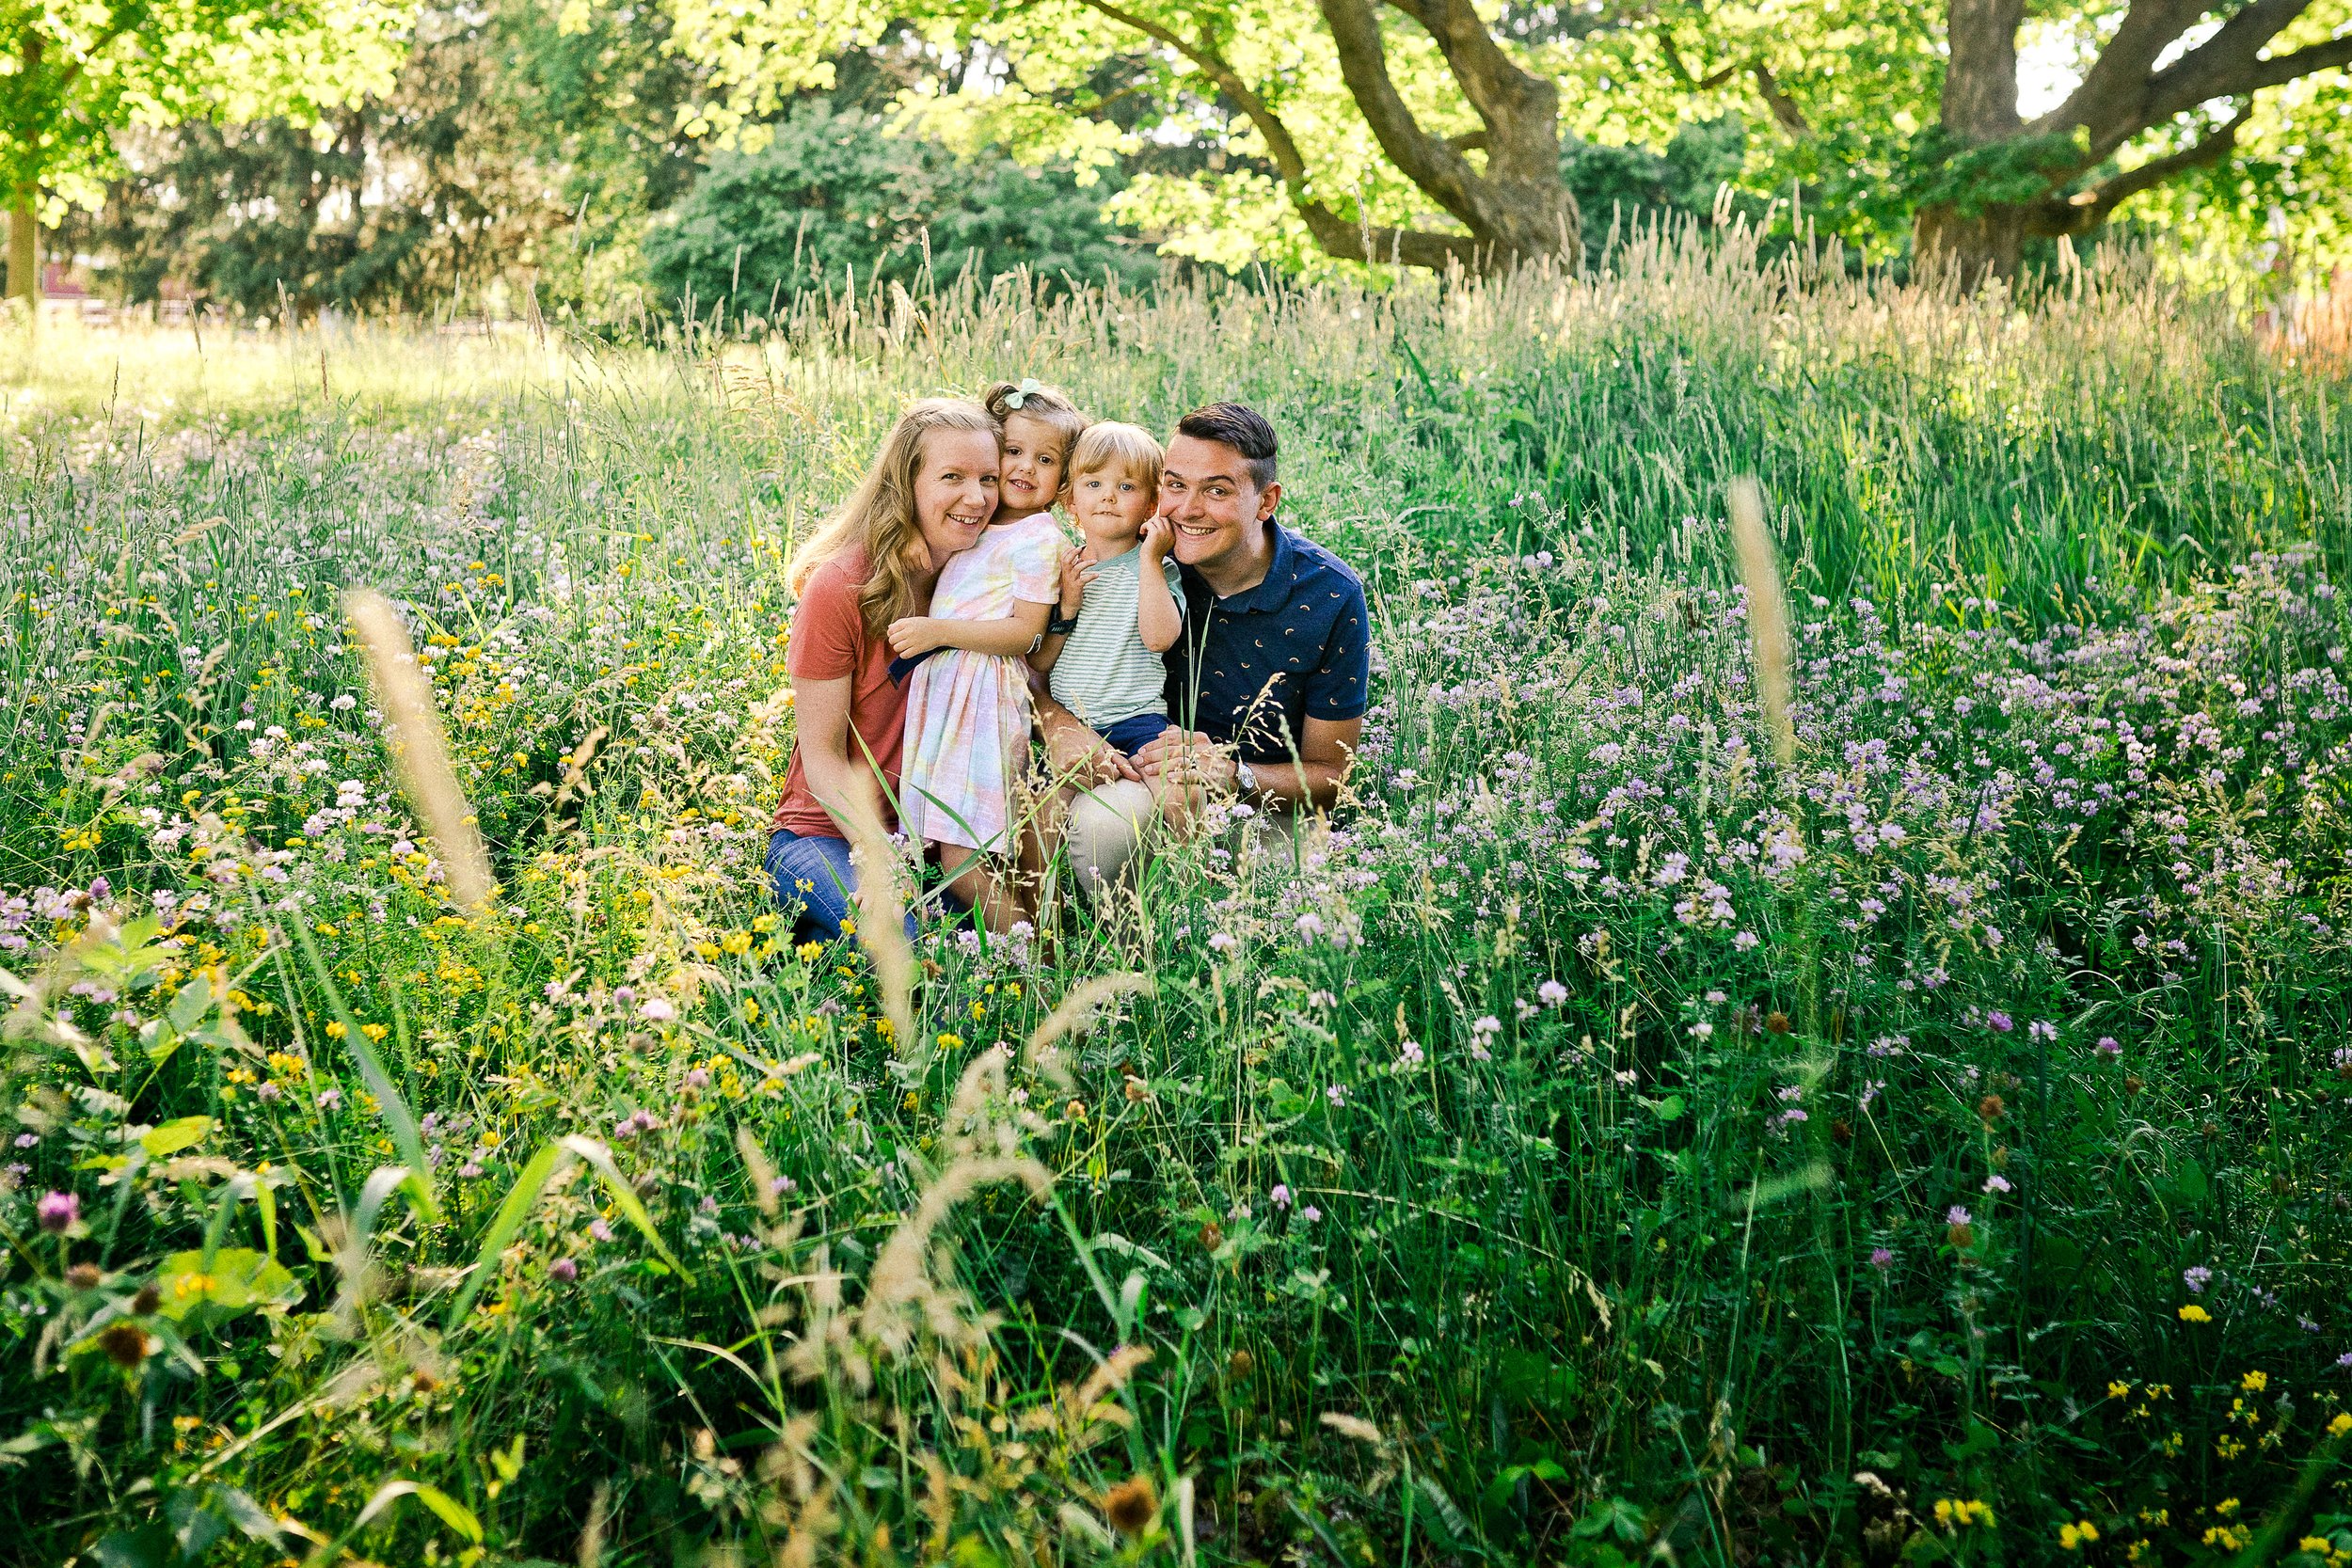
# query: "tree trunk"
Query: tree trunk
{"points": [[1971, 249], [25, 253]]}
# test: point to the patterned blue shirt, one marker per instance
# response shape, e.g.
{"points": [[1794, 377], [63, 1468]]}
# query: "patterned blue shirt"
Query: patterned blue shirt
{"points": [[1253, 668]]}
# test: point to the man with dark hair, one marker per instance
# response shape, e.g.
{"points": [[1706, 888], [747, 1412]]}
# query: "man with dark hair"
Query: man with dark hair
{"points": [[1267, 686]]}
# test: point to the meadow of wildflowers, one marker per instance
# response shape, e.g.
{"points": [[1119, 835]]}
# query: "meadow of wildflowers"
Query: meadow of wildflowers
{"points": [[1607, 1141]]}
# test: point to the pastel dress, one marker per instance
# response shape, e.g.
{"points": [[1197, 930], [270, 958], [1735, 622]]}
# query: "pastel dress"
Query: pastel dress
{"points": [[968, 714]]}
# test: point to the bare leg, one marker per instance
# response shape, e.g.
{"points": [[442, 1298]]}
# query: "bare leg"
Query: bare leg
{"points": [[984, 885]]}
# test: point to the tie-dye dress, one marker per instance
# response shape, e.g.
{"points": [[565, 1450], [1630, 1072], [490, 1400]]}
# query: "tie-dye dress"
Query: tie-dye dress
{"points": [[967, 713]]}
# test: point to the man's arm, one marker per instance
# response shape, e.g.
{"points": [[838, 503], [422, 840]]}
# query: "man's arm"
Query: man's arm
{"points": [[1326, 750], [1077, 754]]}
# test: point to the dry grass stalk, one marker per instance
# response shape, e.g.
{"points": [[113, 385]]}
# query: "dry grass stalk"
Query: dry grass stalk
{"points": [[882, 922], [1768, 614], [1352, 1426], [592, 1536], [1076, 1008], [414, 729]]}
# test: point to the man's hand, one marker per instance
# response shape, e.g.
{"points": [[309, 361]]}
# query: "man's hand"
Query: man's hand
{"points": [[914, 634], [1082, 757], [1186, 758], [1078, 568]]}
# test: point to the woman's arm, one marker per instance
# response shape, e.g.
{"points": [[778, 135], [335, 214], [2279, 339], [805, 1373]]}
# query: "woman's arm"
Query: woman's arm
{"points": [[1009, 637], [843, 783], [1157, 618]]}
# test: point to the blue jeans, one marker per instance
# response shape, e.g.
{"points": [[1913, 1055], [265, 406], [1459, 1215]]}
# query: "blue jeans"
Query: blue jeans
{"points": [[1132, 734], [814, 883]]}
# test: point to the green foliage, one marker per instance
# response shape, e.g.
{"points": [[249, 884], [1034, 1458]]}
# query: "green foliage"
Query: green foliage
{"points": [[1630, 185], [79, 72], [529, 157], [830, 195], [1610, 1223]]}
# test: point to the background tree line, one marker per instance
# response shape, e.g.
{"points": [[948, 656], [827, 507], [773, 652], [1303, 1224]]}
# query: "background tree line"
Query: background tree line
{"points": [[604, 158]]}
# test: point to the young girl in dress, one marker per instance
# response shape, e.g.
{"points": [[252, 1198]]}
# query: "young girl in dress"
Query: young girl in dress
{"points": [[968, 698]]}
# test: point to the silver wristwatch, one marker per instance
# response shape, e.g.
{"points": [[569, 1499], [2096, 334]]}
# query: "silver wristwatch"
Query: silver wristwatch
{"points": [[1245, 779]]}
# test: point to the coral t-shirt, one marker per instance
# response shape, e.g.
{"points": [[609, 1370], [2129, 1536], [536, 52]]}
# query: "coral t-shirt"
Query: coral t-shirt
{"points": [[828, 643]]}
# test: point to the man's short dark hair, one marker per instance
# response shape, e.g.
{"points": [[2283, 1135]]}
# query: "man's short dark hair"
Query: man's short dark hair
{"points": [[1239, 426]]}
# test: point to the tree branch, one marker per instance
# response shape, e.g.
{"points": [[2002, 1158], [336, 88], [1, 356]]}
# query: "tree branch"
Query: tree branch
{"points": [[2225, 66], [1521, 110], [1339, 238], [2147, 30], [2088, 208], [1783, 109], [1682, 74], [1424, 159], [1786, 114], [2279, 70]]}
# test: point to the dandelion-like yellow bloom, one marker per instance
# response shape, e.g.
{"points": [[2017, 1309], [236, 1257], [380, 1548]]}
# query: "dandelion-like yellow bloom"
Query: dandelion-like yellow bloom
{"points": [[2074, 1537], [2254, 1383], [2193, 1313]]}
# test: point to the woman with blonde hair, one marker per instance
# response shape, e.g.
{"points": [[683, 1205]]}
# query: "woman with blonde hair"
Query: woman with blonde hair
{"points": [[927, 496]]}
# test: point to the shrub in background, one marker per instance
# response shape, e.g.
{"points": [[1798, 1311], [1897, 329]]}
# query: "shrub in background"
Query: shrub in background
{"points": [[831, 194]]}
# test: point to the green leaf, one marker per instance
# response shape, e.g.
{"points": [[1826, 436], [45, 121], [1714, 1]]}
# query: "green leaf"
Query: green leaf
{"points": [[456, 1515], [239, 1280], [190, 1003], [173, 1136], [1977, 1440], [394, 1109], [512, 1210], [623, 1197]]}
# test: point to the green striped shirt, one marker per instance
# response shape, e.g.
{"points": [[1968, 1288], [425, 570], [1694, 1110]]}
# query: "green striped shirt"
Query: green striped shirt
{"points": [[1104, 673]]}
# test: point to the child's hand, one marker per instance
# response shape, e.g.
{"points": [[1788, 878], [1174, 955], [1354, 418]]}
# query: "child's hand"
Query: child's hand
{"points": [[913, 634], [1158, 539], [1077, 569]]}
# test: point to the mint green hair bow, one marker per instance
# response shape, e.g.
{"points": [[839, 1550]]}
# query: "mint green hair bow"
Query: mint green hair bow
{"points": [[1023, 393]]}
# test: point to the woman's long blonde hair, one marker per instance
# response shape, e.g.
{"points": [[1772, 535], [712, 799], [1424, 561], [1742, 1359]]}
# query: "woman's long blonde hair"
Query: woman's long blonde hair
{"points": [[879, 516]]}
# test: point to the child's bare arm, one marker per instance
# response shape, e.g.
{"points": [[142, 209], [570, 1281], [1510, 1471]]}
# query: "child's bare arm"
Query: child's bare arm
{"points": [[1077, 570], [1157, 618], [1008, 637]]}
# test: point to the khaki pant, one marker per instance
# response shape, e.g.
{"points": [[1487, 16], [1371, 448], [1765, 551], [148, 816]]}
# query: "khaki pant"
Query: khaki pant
{"points": [[1111, 826]]}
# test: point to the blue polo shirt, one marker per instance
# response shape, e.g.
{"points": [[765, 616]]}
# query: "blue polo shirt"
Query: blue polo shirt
{"points": [[1253, 668]]}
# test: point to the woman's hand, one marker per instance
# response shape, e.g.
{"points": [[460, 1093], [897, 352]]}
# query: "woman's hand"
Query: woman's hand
{"points": [[914, 634]]}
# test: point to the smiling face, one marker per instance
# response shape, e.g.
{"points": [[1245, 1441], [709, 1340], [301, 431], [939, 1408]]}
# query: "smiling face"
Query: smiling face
{"points": [[955, 490], [1214, 509], [1034, 463], [1111, 505]]}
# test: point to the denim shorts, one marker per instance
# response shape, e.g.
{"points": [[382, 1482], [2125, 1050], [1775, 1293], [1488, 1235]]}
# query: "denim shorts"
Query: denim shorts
{"points": [[1129, 736]]}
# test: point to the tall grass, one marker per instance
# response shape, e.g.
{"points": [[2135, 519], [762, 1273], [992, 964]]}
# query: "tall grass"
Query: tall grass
{"points": [[1634, 1128]]}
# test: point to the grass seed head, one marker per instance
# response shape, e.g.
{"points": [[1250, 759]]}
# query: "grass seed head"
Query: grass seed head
{"points": [[1132, 1505], [414, 730], [1768, 614]]}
